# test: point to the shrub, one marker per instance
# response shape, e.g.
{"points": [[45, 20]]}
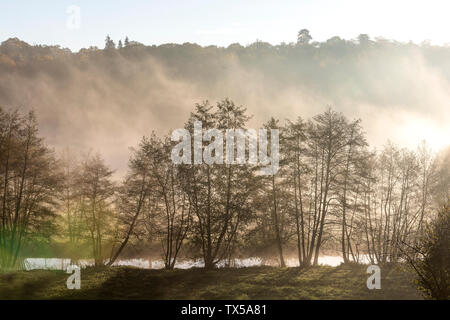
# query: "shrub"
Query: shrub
{"points": [[430, 257]]}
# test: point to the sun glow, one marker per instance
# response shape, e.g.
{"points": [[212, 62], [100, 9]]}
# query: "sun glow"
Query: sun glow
{"points": [[415, 130]]}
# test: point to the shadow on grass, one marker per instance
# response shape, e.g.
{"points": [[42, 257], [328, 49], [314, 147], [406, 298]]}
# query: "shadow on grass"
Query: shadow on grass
{"points": [[320, 282], [24, 285]]}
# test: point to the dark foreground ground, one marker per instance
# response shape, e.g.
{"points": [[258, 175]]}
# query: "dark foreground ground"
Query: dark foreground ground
{"points": [[343, 282]]}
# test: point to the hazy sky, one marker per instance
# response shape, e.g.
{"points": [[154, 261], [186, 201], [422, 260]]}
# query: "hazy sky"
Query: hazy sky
{"points": [[222, 22], [416, 97]]}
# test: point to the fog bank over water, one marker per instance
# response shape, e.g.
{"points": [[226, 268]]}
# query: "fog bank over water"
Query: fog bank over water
{"points": [[106, 100]]}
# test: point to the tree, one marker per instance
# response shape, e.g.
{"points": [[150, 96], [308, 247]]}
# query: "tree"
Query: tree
{"points": [[73, 223], [133, 196], [363, 39], [275, 194], [430, 256], [29, 181], [294, 148], [427, 179], [96, 191], [109, 44], [219, 194], [349, 179], [303, 37], [327, 139], [172, 209]]}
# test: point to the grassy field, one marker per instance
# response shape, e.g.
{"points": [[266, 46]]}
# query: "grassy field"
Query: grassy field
{"points": [[343, 282]]}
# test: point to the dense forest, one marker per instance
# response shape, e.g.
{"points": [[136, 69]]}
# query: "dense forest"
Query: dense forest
{"points": [[333, 192]]}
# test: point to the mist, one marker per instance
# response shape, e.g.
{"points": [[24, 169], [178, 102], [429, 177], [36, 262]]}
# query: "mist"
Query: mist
{"points": [[106, 100]]}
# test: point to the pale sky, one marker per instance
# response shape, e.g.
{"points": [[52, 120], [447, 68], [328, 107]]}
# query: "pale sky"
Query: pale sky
{"points": [[222, 22]]}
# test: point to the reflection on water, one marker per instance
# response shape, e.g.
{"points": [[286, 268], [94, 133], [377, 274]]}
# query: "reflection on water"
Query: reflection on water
{"points": [[61, 264]]}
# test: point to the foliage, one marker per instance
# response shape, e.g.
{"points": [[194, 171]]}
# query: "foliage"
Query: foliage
{"points": [[430, 257], [28, 187]]}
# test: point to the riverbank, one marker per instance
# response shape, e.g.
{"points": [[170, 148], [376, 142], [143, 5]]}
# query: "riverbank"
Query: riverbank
{"points": [[321, 282]]}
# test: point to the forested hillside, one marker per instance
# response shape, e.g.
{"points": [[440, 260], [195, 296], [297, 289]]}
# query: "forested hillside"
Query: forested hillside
{"points": [[108, 98]]}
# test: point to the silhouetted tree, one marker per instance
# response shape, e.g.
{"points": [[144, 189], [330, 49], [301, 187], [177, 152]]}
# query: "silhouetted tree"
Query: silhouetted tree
{"points": [[430, 256], [29, 180], [96, 191], [303, 37], [109, 43]]}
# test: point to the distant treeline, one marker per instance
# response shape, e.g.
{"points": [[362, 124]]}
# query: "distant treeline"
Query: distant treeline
{"points": [[346, 70]]}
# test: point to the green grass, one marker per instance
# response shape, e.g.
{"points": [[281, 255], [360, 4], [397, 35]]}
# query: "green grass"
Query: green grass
{"points": [[343, 282]]}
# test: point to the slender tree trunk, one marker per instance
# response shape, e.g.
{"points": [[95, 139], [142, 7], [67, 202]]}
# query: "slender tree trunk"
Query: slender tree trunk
{"points": [[277, 227]]}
